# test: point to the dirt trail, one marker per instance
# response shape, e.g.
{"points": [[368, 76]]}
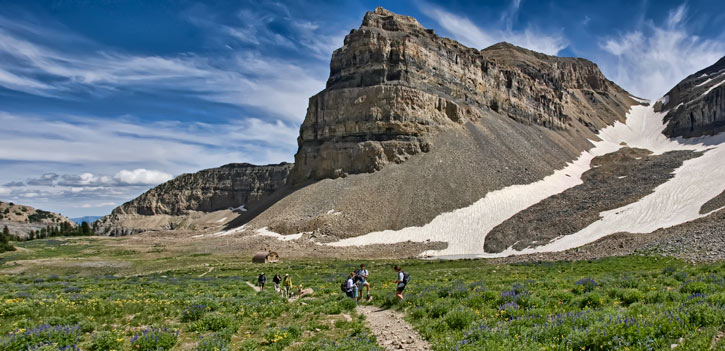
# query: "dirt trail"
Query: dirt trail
{"points": [[256, 288], [392, 332], [207, 272]]}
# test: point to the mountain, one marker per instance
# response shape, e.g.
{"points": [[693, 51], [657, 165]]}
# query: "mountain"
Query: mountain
{"points": [[178, 203], [466, 153], [21, 219], [87, 219], [696, 106]]}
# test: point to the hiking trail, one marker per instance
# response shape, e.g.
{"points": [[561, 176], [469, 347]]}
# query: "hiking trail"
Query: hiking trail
{"points": [[391, 330], [256, 288]]}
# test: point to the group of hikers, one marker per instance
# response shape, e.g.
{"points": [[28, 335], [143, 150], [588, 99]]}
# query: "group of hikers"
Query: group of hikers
{"points": [[286, 283], [358, 280], [353, 286]]}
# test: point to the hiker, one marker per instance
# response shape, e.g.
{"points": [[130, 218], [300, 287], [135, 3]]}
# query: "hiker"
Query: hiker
{"points": [[261, 280], [287, 285], [402, 279], [362, 281], [276, 280], [351, 287]]}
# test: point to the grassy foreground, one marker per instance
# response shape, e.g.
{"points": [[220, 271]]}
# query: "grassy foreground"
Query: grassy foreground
{"points": [[629, 303]]}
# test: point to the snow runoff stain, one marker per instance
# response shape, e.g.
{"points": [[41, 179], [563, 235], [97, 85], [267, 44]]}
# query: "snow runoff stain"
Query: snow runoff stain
{"points": [[391, 330]]}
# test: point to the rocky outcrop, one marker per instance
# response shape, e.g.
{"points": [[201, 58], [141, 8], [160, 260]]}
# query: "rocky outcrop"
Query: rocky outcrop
{"points": [[394, 84], [696, 106], [21, 219], [182, 203], [228, 186]]}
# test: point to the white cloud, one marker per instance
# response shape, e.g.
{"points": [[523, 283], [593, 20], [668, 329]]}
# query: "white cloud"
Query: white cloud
{"points": [[163, 145], [4, 191], [468, 33], [141, 176], [650, 61], [96, 205]]}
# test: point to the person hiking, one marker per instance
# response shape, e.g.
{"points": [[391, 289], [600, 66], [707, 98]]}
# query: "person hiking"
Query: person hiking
{"points": [[286, 285], [351, 287], [402, 279], [362, 281], [261, 280], [276, 280]]}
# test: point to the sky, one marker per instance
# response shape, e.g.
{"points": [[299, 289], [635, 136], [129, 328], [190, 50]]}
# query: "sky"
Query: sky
{"points": [[101, 100]]}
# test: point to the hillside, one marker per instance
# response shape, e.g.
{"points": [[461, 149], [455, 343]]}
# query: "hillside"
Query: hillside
{"points": [[21, 219]]}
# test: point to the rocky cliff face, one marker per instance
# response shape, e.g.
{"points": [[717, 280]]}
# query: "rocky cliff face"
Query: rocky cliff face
{"points": [[394, 84], [696, 106], [186, 201], [228, 186]]}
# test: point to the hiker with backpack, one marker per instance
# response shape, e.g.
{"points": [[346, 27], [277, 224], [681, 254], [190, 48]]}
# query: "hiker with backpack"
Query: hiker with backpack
{"points": [[261, 280], [362, 281], [402, 279], [277, 280], [349, 287]]}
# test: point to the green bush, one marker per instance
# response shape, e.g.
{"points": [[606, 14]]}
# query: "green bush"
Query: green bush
{"points": [[694, 288], [106, 341], [630, 296], [459, 319], [213, 322]]}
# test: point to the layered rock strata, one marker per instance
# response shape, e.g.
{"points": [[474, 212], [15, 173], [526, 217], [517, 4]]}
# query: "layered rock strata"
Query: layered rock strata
{"points": [[394, 84], [696, 106]]}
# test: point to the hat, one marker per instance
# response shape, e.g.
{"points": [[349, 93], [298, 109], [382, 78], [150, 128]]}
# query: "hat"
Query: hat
{"points": [[286, 275]]}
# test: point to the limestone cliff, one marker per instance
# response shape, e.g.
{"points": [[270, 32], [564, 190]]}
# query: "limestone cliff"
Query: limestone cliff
{"points": [[394, 84], [228, 186], [696, 106], [174, 204]]}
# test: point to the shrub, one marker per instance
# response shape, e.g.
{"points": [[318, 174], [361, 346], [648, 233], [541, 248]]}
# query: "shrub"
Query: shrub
{"points": [[213, 322], [681, 276], [459, 319], [193, 312], [154, 340], [106, 341], [348, 304], [588, 284], [630, 296], [694, 288]]}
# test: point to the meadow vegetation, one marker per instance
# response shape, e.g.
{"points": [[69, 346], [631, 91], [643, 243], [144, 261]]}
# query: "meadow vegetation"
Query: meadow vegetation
{"points": [[627, 303]]}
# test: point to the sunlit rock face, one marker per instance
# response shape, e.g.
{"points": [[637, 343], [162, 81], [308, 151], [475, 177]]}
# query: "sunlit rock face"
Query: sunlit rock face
{"points": [[394, 84]]}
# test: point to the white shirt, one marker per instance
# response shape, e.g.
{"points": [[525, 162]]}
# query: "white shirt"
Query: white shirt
{"points": [[401, 276], [363, 272], [350, 284]]}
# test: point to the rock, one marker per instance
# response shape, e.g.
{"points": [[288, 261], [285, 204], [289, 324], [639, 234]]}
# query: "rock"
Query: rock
{"points": [[696, 106], [395, 84], [238, 186], [22, 219]]}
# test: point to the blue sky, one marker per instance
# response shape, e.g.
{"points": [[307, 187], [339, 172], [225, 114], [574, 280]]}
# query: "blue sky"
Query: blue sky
{"points": [[101, 100]]}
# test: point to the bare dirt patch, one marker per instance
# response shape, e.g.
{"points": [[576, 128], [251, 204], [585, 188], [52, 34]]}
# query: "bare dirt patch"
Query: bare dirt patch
{"points": [[391, 330]]}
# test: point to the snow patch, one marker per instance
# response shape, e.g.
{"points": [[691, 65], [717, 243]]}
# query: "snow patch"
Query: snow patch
{"points": [[266, 232], [674, 202], [240, 208], [712, 88], [333, 212], [222, 220]]}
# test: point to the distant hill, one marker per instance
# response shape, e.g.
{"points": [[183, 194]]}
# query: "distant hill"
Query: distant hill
{"points": [[21, 219], [87, 219]]}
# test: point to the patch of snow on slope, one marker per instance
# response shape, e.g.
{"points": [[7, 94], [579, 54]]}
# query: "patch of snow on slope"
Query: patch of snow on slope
{"points": [[266, 232], [674, 202], [713, 87]]}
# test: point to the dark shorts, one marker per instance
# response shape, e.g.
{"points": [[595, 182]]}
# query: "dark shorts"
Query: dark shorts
{"points": [[401, 287]]}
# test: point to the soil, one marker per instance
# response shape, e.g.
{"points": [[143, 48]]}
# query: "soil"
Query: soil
{"points": [[391, 330]]}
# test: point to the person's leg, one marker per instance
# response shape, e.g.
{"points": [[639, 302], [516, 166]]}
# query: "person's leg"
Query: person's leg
{"points": [[367, 288]]}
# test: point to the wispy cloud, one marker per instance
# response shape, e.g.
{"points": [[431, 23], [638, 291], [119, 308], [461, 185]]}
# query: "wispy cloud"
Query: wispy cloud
{"points": [[279, 86], [470, 34], [651, 60]]}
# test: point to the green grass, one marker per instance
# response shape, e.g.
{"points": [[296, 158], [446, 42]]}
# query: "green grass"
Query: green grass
{"points": [[626, 303]]}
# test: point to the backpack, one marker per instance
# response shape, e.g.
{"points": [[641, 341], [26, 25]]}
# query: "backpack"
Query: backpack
{"points": [[406, 277], [343, 286]]}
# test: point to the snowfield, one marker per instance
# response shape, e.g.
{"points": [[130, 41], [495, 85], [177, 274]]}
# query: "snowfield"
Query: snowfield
{"points": [[674, 202]]}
